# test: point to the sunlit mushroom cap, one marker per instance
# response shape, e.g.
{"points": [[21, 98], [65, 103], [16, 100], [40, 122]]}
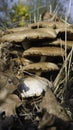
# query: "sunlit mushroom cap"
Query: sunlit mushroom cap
{"points": [[69, 32], [44, 51], [33, 86], [29, 34], [41, 67], [60, 42], [17, 29], [45, 24], [22, 61]]}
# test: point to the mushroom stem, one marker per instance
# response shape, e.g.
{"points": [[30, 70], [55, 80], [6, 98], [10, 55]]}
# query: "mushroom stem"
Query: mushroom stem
{"points": [[43, 58], [25, 45], [38, 73]]}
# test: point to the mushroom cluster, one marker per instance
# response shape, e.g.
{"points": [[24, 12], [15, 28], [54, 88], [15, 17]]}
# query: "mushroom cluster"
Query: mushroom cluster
{"points": [[38, 48], [30, 60]]}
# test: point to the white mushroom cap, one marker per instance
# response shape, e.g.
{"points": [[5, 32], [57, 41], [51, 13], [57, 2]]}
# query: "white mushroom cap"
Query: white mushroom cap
{"points": [[33, 86]]}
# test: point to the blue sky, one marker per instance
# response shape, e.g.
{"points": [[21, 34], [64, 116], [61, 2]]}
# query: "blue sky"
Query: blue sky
{"points": [[65, 4]]}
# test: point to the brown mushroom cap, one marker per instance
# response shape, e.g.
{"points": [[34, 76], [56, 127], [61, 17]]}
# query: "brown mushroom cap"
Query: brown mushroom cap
{"points": [[62, 43], [44, 51], [27, 35], [21, 61], [41, 67], [45, 24], [50, 31], [61, 32], [42, 24], [17, 29]]}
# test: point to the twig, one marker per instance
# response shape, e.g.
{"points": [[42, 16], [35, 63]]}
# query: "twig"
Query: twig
{"points": [[66, 18], [61, 74], [70, 63]]}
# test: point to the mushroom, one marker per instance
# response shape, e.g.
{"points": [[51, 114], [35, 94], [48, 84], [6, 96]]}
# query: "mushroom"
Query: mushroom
{"points": [[40, 67], [33, 86], [42, 24], [61, 33], [21, 61], [60, 42], [45, 24], [44, 52], [26, 36], [17, 29], [51, 32]]}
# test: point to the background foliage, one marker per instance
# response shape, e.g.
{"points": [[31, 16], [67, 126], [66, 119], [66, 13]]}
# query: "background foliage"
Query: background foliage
{"points": [[27, 11], [19, 14]]}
